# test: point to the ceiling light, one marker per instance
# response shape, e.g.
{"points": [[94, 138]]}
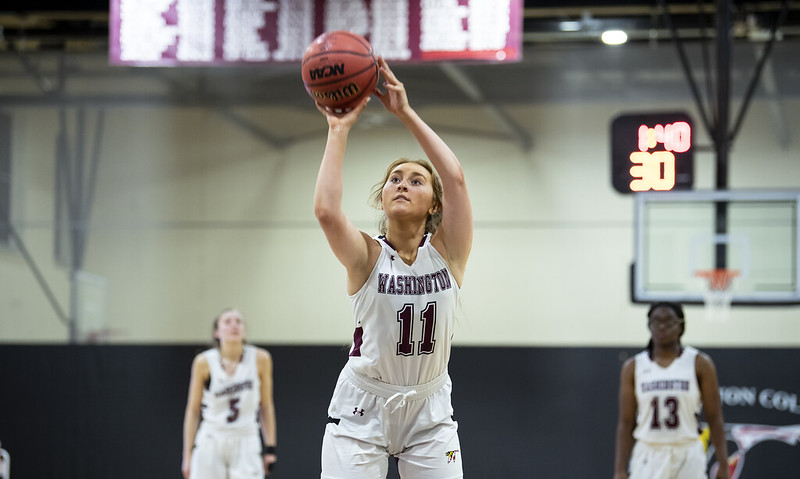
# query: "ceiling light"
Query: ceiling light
{"points": [[614, 37], [569, 26]]}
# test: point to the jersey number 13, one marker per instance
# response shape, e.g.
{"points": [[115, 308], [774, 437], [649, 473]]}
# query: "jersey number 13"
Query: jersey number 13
{"points": [[671, 421]]}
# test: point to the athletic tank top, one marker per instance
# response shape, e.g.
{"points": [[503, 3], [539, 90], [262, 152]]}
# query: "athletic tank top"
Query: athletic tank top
{"points": [[404, 317], [668, 399], [232, 401]]}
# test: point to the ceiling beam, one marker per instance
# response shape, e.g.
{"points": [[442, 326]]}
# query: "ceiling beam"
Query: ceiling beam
{"points": [[464, 83]]}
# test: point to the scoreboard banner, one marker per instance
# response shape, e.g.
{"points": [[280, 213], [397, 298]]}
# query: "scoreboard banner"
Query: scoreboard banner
{"points": [[243, 32]]}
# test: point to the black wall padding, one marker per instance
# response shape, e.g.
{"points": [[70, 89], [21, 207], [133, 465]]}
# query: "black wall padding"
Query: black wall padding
{"points": [[95, 412]]}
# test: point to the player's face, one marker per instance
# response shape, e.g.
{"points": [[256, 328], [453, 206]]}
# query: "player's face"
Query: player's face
{"points": [[408, 191], [230, 327], [665, 325]]}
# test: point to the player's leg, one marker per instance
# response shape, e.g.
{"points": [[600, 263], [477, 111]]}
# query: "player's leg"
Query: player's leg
{"points": [[354, 444], [432, 447], [436, 456], [693, 462], [344, 457], [246, 461], [650, 462], [207, 457]]}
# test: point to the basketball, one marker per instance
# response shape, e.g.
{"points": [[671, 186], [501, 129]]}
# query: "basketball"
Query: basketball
{"points": [[339, 70]]}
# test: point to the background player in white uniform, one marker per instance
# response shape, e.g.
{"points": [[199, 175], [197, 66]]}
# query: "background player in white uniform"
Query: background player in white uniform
{"points": [[232, 383], [393, 396], [662, 391], [5, 464]]}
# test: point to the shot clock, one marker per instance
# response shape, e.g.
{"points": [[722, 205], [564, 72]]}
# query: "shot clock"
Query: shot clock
{"points": [[652, 152]]}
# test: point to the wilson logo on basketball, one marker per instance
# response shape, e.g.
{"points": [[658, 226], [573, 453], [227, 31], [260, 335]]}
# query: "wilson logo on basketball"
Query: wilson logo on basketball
{"points": [[347, 91], [326, 71]]}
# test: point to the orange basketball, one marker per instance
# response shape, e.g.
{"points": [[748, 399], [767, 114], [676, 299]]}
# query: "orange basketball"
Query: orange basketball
{"points": [[339, 70]]}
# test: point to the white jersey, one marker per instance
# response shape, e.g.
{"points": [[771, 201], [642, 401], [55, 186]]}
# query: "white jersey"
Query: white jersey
{"points": [[231, 402], [5, 464], [668, 399], [404, 317]]}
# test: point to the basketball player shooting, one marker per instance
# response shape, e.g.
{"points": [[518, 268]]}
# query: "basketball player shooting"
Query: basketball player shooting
{"points": [[392, 397]]}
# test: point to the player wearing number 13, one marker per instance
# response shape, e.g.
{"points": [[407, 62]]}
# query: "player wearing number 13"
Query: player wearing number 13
{"points": [[662, 391], [393, 395]]}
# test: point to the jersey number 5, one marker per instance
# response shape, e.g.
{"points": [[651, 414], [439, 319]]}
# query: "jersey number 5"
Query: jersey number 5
{"points": [[671, 421], [234, 412], [405, 347]]}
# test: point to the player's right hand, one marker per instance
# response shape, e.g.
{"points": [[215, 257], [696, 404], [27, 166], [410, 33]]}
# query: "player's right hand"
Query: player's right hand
{"points": [[185, 467], [343, 120]]}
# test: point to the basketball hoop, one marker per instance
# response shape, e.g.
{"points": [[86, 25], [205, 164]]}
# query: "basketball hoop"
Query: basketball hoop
{"points": [[718, 294]]}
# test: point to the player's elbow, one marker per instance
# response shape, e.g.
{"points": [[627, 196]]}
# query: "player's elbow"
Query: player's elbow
{"points": [[713, 416], [457, 178], [321, 211], [192, 410], [325, 215]]}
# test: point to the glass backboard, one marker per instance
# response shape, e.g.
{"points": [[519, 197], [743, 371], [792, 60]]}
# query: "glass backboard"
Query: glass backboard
{"points": [[680, 237]]}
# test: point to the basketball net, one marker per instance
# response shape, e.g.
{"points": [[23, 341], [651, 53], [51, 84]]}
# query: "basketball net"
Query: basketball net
{"points": [[718, 294]]}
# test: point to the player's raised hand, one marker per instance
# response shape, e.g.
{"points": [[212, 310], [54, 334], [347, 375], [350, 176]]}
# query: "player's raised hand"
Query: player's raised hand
{"points": [[342, 120], [394, 98]]}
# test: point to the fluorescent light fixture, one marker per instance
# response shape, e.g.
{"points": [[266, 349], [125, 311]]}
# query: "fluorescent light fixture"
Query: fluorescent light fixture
{"points": [[569, 26], [614, 37]]}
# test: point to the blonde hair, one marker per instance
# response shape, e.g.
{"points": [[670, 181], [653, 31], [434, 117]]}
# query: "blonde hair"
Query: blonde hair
{"points": [[434, 220]]}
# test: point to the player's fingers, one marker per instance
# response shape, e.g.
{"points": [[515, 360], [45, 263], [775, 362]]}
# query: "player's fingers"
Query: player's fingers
{"points": [[397, 86], [323, 109], [385, 70], [399, 89]]}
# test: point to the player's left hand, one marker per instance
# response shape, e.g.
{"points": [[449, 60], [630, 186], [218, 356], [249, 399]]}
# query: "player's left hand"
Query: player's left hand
{"points": [[269, 462], [394, 98]]}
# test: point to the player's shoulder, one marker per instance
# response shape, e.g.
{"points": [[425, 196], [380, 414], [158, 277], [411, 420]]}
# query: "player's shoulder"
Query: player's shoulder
{"points": [[702, 359], [629, 365], [692, 350], [641, 356], [262, 354], [203, 355], [200, 363]]}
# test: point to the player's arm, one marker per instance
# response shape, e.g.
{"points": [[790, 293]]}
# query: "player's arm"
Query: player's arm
{"points": [[454, 236], [191, 420], [626, 420], [712, 408], [266, 410], [350, 246]]}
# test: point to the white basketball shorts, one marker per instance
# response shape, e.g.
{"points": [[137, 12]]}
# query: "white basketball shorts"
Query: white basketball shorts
{"points": [[668, 461], [370, 420], [223, 454]]}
